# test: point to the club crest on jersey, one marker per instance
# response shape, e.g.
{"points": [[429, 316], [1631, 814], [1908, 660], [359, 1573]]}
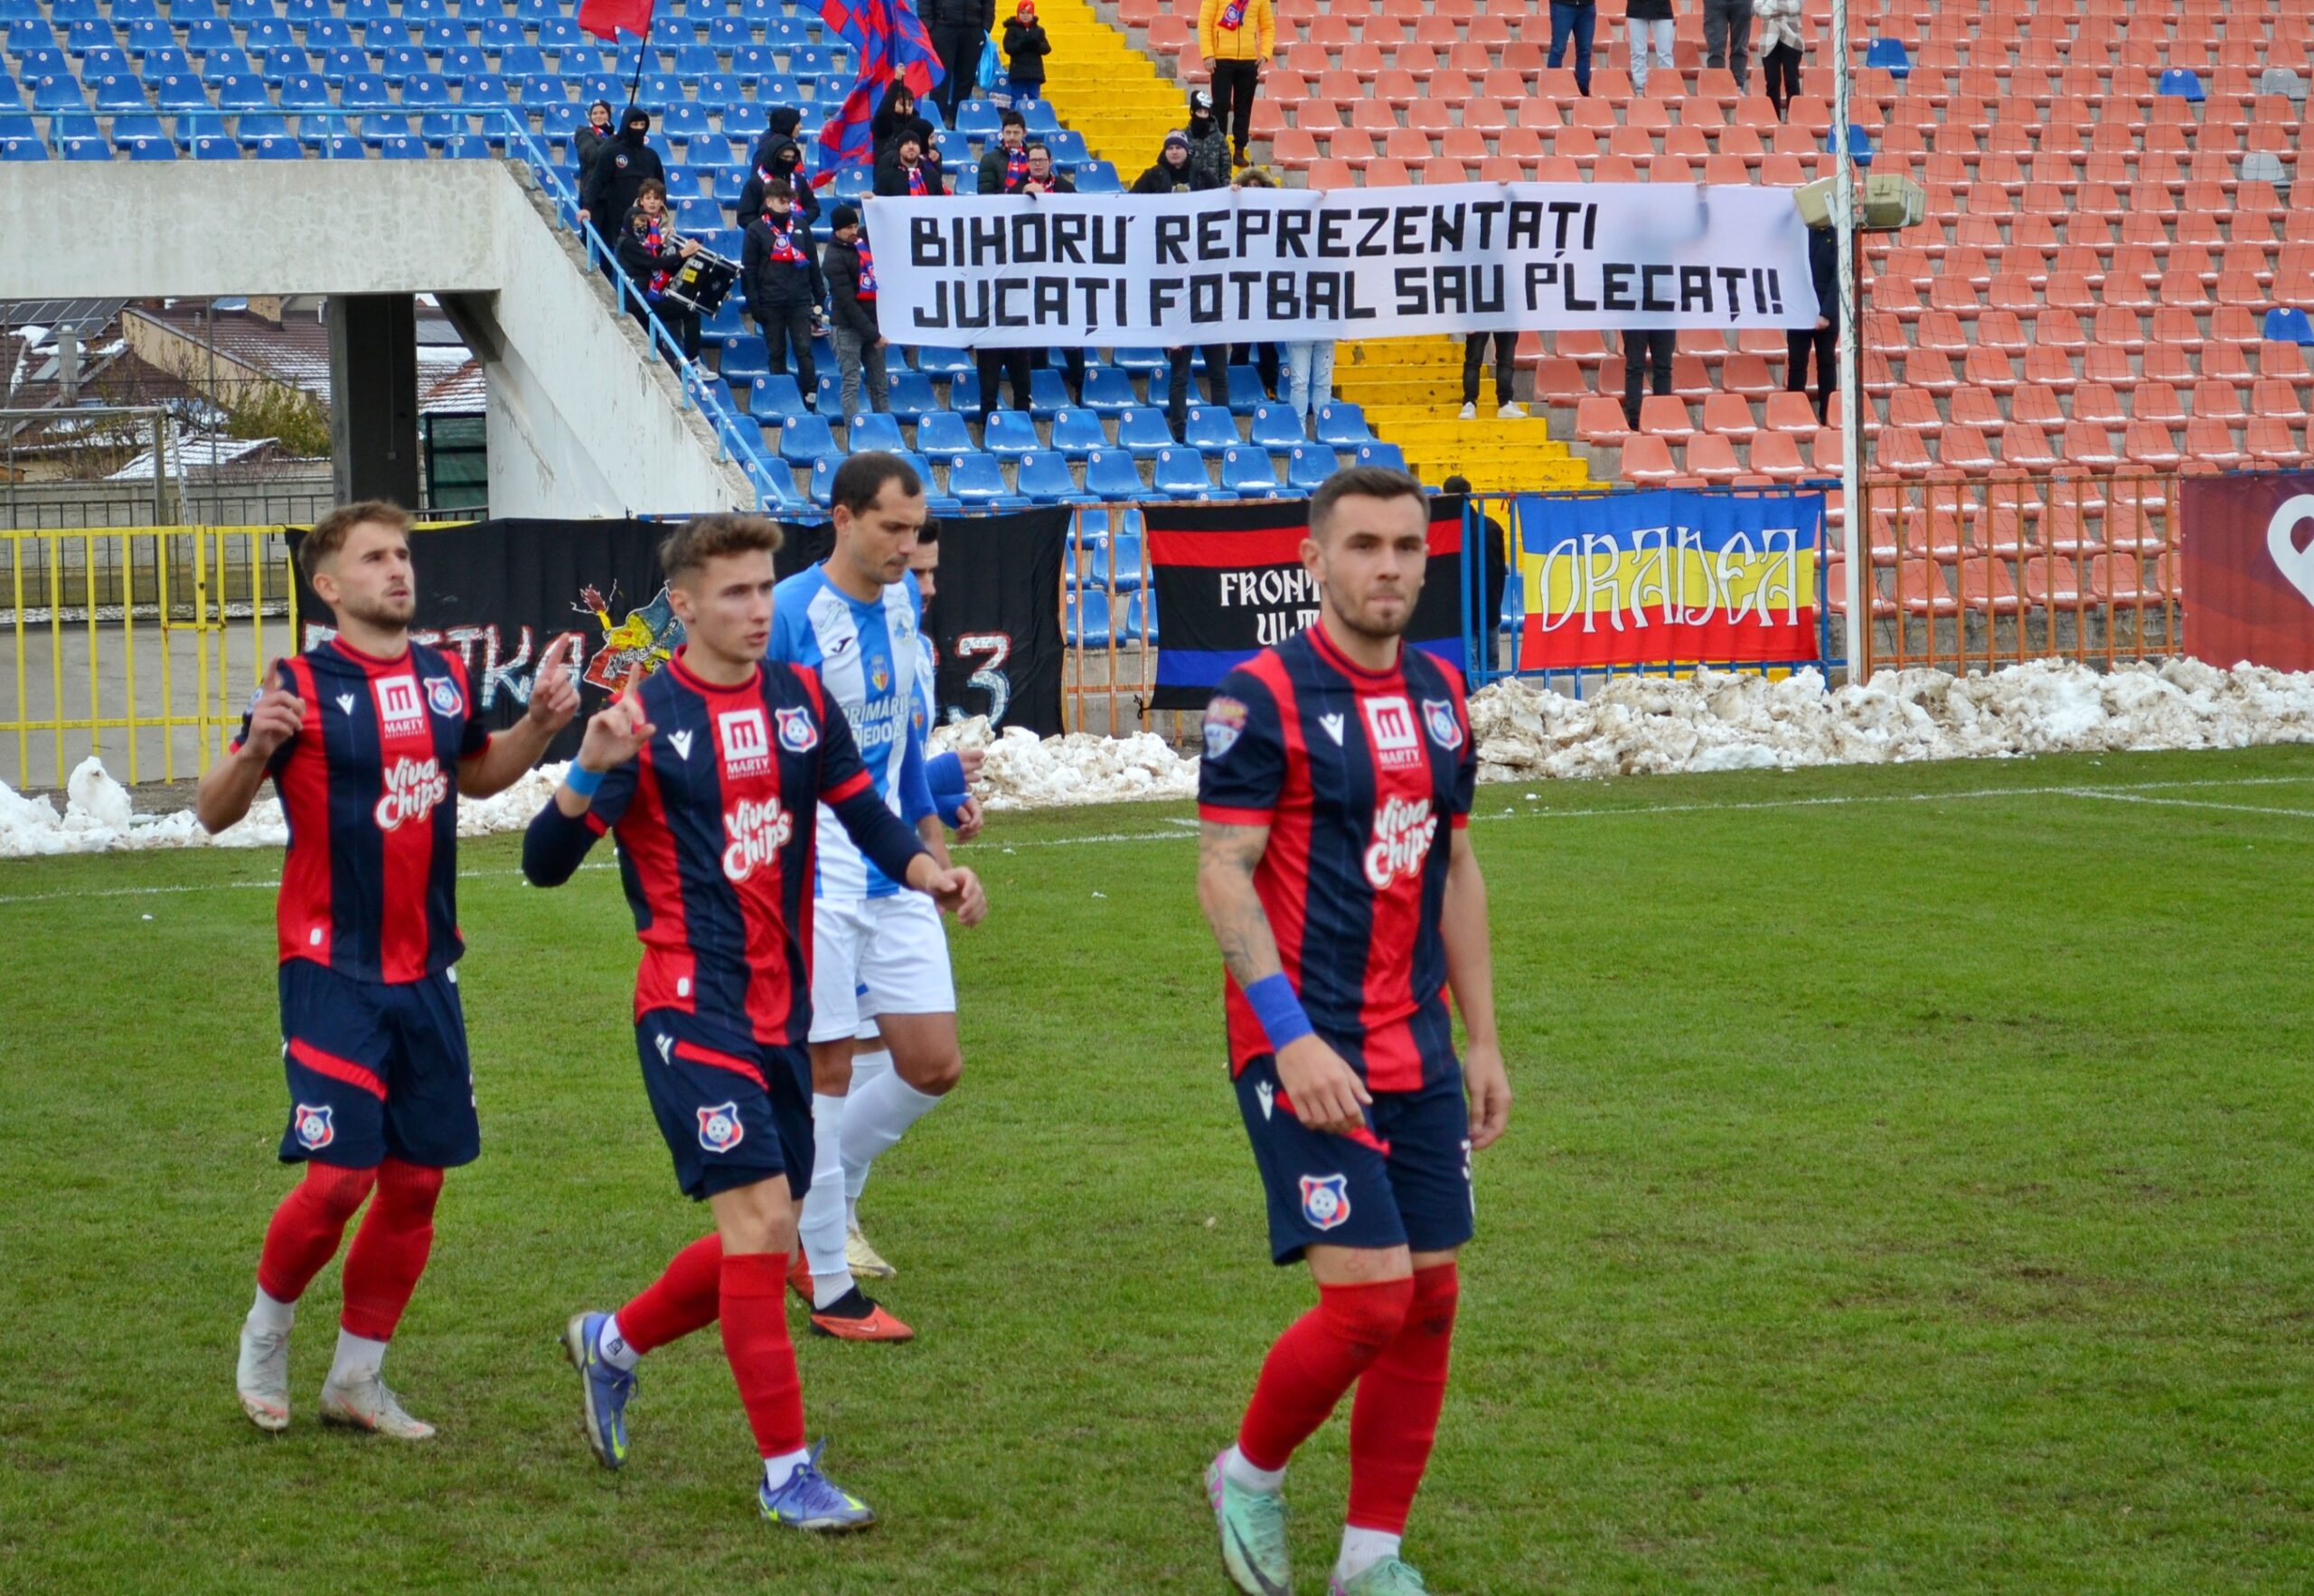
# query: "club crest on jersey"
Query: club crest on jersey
{"points": [[797, 735], [756, 833], [313, 1127], [1389, 727], [1446, 730], [747, 746], [413, 788], [401, 712], [880, 674], [1325, 1200], [1225, 723], [719, 1129], [1403, 833], [443, 693]]}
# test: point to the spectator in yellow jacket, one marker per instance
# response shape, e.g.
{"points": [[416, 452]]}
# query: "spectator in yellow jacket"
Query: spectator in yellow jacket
{"points": [[1237, 38]]}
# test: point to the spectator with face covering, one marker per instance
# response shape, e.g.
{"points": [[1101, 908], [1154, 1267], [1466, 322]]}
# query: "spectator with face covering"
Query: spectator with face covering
{"points": [[621, 171], [780, 123], [1208, 147]]}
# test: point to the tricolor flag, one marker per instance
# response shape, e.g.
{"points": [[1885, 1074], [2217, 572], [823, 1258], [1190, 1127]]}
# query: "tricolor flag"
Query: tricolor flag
{"points": [[892, 45], [606, 19]]}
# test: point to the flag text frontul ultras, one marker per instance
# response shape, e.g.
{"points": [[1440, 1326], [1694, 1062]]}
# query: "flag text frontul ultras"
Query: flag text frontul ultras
{"points": [[1198, 268]]}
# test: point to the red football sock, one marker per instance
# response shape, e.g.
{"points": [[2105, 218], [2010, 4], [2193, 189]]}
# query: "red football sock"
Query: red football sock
{"points": [[1317, 1359], [683, 1300], [763, 1359], [388, 1252], [1395, 1418], [306, 1228]]}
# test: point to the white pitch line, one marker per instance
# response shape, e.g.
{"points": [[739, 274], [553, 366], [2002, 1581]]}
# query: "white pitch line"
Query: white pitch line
{"points": [[1179, 830]]}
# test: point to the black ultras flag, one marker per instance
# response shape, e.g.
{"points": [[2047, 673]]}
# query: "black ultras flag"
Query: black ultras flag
{"points": [[995, 621], [1231, 583]]}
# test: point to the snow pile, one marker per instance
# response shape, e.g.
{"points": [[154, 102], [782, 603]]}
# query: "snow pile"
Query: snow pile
{"points": [[1718, 721], [1634, 726]]}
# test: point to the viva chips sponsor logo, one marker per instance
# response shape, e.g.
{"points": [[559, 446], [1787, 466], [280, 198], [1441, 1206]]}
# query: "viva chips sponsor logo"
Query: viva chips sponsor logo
{"points": [[413, 787], [1403, 832], [756, 832]]}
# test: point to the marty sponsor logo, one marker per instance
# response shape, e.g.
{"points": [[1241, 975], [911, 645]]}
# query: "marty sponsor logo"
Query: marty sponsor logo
{"points": [[413, 787], [747, 746], [1325, 1200], [719, 1129], [401, 711], [312, 1126], [757, 831], [1402, 838], [1389, 726], [1225, 723]]}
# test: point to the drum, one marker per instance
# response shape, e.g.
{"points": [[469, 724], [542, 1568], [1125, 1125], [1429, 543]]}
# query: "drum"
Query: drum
{"points": [[703, 281]]}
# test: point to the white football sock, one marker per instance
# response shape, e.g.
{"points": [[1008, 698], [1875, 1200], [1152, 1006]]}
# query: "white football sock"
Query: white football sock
{"points": [[1361, 1549], [868, 1066], [1241, 1470], [778, 1470], [874, 1117], [268, 1314], [821, 1224], [356, 1356], [614, 1349]]}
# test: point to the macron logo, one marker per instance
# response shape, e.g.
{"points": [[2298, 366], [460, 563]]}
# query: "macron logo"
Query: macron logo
{"points": [[1332, 723], [1267, 1093], [666, 1047], [345, 703], [681, 742]]}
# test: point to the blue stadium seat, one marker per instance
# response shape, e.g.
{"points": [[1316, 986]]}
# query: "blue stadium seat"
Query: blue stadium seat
{"points": [[1246, 472], [1044, 478], [1182, 475], [242, 92], [402, 147], [696, 60], [1890, 56], [1099, 177], [1010, 434], [2181, 83], [467, 146], [2286, 324], [137, 125], [942, 432], [912, 397], [59, 94], [424, 10], [380, 34], [1381, 454], [746, 359], [268, 34], [522, 61], [379, 126], [977, 119], [192, 124], [439, 35], [463, 62], [729, 33], [1141, 618], [343, 62], [215, 146], [727, 90], [270, 146], [686, 119], [1048, 392], [1042, 116], [121, 94], [1245, 390], [1109, 391], [1111, 476], [1091, 529], [1077, 433], [139, 147], [1344, 425], [403, 61], [819, 60], [486, 89], [142, 38], [502, 33], [107, 62], [1307, 466], [1149, 363], [307, 91], [279, 65], [208, 38], [1145, 430], [22, 149], [758, 63], [979, 481], [541, 93], [1212, 429], [872, 431], [366, 91], [1117, 565], [89, 35], [88, 148], [329, 33], [560, 32], [804, 438], [330, 142], [1068, 147], [1088, 621], [963, 392], [247, 11], [1276, 426], [773, 398]]}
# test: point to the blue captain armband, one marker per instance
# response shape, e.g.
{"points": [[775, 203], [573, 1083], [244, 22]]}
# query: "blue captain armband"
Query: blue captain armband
{"points": [[1274, 1004], [581, 780]]}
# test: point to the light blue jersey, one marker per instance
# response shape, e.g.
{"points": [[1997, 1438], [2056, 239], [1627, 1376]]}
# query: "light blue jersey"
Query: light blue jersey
{"points": [[869, 660]]}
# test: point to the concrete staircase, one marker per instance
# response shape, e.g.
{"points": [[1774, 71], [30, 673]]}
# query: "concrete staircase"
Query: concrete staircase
{"points": [[1113, 94], [1412, 392]]}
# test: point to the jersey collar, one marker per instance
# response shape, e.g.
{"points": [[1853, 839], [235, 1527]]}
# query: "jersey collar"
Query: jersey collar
{"points": [[684, 674], [1342, 662], [371, 663]]}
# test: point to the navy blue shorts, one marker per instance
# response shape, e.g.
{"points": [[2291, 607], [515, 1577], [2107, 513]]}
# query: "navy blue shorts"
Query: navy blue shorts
{"points": [[734, 1112], [1406, 1183], [377, 1070]]}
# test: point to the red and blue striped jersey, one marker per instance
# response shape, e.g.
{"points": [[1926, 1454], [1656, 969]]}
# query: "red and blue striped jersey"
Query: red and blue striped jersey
{"points": [[370, 788], [716, 819], [1352, 771]]}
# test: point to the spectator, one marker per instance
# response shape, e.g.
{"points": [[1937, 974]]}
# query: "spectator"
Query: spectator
{"points": [[1651, 22], [781, 124], [1025, 49], [1823, 339], [1236, 38], [622, 170], [1170, 175], [959, 30], [1309, 376], [1727, 39], [904, 171], [782, 162], [1010, 365], [784, 286], [1042, 179], [894, 117], [1264, 358], [650, 254], [1781, 44], [1007, 160], [1645, 349], [1177, 387], [1506, 346], [1577, 20], [1208, 148], [850, 268], [591, 140], [1494, 554]]}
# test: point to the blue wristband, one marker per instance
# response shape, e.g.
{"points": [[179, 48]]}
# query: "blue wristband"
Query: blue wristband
{"points": [[1283, 1018], [582, 780]]}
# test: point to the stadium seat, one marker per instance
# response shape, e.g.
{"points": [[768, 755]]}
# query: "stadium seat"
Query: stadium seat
{"points": [[1010, 434], [1343, 424], [1248, 473], [1210, 429], [1182, 475], [1388, 455], [912, 397], [1307, 466], [944, 432], [1276, 426], [1076, 433], [873, 431], [1111, 476], [1043, 478], [978, 480], [1087, 622], [805, 437]]}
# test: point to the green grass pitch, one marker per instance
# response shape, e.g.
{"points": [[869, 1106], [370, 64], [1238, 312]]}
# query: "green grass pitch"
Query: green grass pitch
{"points": [[1911, 1187]]}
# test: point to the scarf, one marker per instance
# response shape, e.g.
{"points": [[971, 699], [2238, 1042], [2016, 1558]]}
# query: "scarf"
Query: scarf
{"points": [[867, 270], [916, 181], [783, 241], [655, 236], [1016, 167], [1233, 15]]}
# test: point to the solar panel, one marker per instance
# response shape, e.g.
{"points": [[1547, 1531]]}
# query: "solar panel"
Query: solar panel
{"points": [[79, 317]]}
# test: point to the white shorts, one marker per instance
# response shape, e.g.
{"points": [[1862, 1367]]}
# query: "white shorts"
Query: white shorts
{"points": [[877, 955]]}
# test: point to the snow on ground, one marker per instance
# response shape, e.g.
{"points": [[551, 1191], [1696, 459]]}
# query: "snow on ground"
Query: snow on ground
{"points": [[1634, 726]]}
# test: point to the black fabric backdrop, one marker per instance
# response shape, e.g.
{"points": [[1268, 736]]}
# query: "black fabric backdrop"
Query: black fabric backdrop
{"points": [[499, 592]]}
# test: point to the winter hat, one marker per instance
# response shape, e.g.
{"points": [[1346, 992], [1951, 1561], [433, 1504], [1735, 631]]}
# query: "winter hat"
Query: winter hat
{"points": [[1201, 103], [1178, 138], [846, 216], [785, 119]]}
